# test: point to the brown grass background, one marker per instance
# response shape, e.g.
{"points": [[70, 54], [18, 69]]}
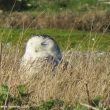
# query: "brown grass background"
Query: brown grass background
{"points": [[92, 20]]}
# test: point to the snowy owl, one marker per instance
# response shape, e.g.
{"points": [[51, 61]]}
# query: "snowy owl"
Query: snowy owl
{"points": [[40, 50]]}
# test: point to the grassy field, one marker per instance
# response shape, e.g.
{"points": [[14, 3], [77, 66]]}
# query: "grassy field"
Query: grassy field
{"points": [[85, 80], [83, 76], [65, 38]]}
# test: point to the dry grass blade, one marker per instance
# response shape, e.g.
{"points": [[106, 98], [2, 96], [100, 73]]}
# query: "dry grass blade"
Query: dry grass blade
{"points": [[17, 107], [0, 53], [89, 106]]}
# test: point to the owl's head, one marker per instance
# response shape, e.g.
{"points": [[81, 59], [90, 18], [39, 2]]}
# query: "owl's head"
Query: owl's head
{"points": [[42, 46]]}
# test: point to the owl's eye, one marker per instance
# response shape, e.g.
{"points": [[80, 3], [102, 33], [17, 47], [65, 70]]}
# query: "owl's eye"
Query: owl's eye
{"points": [[44, 44]]}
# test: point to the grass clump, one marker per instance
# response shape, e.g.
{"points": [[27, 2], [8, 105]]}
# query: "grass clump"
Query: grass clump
{"points": [[20, 102], [22, 90], [3, 93]]}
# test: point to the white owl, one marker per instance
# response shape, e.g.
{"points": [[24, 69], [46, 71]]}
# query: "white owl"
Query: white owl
{"points": [[40, 49]]}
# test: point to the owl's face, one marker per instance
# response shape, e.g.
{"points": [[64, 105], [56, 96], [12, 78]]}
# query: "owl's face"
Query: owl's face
{"points": [[42, 46]]}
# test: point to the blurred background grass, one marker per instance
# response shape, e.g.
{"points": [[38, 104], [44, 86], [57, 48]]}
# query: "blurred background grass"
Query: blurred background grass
{"points": [[54, 5], [72, 38], [80, 23]]}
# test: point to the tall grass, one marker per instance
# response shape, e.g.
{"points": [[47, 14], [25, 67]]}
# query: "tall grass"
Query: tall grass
{"points": [[68, 83]]}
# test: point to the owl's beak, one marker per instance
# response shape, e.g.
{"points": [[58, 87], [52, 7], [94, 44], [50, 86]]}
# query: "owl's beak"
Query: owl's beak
{"points": [[36, 50]]}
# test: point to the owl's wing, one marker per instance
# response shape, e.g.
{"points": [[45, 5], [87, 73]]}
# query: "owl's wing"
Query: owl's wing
{"points": [[58, 55]]}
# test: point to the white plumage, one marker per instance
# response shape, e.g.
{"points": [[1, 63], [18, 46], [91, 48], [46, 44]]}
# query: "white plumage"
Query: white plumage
{"points": [[40, 50]]}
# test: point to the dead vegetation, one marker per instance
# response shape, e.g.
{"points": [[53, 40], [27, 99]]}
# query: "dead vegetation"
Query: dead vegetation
{"points": [[85, 70], [95, 20]]}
